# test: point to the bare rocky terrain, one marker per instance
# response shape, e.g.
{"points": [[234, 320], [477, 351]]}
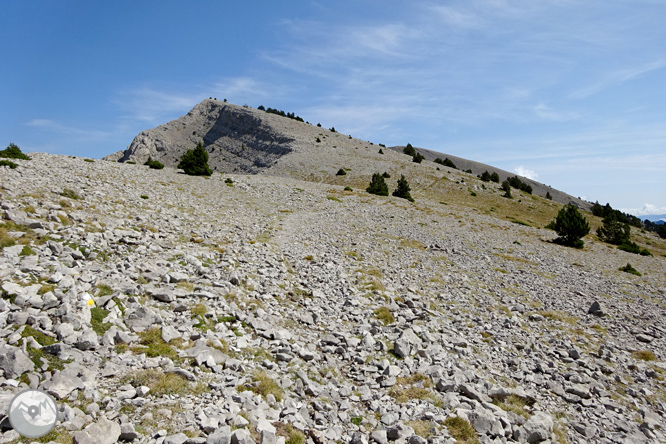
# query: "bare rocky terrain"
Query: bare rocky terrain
{"points": [[163, 308]]}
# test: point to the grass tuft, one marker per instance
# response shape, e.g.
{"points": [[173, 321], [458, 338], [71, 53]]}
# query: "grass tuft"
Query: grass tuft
{"points": [[461, 430], [384, 315]]}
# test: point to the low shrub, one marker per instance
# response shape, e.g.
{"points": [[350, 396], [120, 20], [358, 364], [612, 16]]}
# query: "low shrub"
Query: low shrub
{"points": [[154, 164], [632, 247], [13, 152], [70, 194], [629, 269], [8, 163], [341, 172]]}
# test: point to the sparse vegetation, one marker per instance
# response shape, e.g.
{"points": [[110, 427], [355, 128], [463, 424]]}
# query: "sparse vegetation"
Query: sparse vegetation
{"points": [[644, 355], [70, 194], [263, 385], [629, 269], [154, 164], [160, 383], [153, 345], [384, 315], [461, 430]]}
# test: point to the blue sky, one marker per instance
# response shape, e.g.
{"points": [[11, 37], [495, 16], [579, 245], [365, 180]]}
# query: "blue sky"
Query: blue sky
{"points": [[570, 93]]}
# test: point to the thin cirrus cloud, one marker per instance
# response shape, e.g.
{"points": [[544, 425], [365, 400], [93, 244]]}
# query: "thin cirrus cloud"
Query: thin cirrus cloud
{"points": [[617, 78], [153, 105], [55, 127]]}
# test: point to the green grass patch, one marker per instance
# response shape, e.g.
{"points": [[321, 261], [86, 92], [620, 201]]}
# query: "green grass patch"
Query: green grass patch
{"points": [[97, 315], [70, 194], [152, 344], [27, 251], [263, 385], [644, 355], [629, 269], [384, 315], [161, 383], [461, 430], [103, 290]]}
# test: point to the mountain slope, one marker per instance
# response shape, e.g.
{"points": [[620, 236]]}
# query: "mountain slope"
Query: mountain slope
{"points": [[279, 306], [246, 140]]}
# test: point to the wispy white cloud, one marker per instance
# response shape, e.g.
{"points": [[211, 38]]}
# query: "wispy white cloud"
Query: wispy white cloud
{"points": [[457, 17], [154, 104], [55, 127], [525, 172], [616, 78], [545, 112]]}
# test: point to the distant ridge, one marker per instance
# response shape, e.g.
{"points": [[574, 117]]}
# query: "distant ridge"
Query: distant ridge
{"points": [[654, 218]]}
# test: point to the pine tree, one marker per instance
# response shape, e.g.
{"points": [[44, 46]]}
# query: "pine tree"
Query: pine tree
{"points": [[494, 177], [195, 162], [403, 189], [417, 158], [507, 189], [613, 231], [571, 226], [409, 150], [377, 186], [548, 196]]}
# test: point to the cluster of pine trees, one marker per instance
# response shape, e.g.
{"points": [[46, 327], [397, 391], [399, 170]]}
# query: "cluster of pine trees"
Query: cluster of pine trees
{"points": [[281, 113]]}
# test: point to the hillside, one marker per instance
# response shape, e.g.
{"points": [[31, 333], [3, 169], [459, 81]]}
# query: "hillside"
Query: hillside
{"points": [[247, 140], [278, 309]]}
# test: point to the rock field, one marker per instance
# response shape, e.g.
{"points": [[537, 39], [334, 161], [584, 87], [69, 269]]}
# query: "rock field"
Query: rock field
{"points": [[162, 308]]}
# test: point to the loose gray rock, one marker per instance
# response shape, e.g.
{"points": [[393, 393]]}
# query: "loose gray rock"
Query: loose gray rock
{"points": [[101, 432]]}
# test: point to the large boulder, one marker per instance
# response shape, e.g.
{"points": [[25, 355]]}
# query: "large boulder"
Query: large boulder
{"points": [[14, 362]]}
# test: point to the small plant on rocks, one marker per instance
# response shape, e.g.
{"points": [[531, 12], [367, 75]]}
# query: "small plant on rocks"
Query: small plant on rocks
{"points": [[629, 269]]}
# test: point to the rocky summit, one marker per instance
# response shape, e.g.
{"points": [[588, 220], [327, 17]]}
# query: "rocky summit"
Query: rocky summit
{"points": [[162, 308]]}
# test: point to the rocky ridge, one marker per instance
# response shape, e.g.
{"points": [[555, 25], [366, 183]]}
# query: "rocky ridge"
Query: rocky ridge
{"points": [[277, 310], [245, 140]]}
